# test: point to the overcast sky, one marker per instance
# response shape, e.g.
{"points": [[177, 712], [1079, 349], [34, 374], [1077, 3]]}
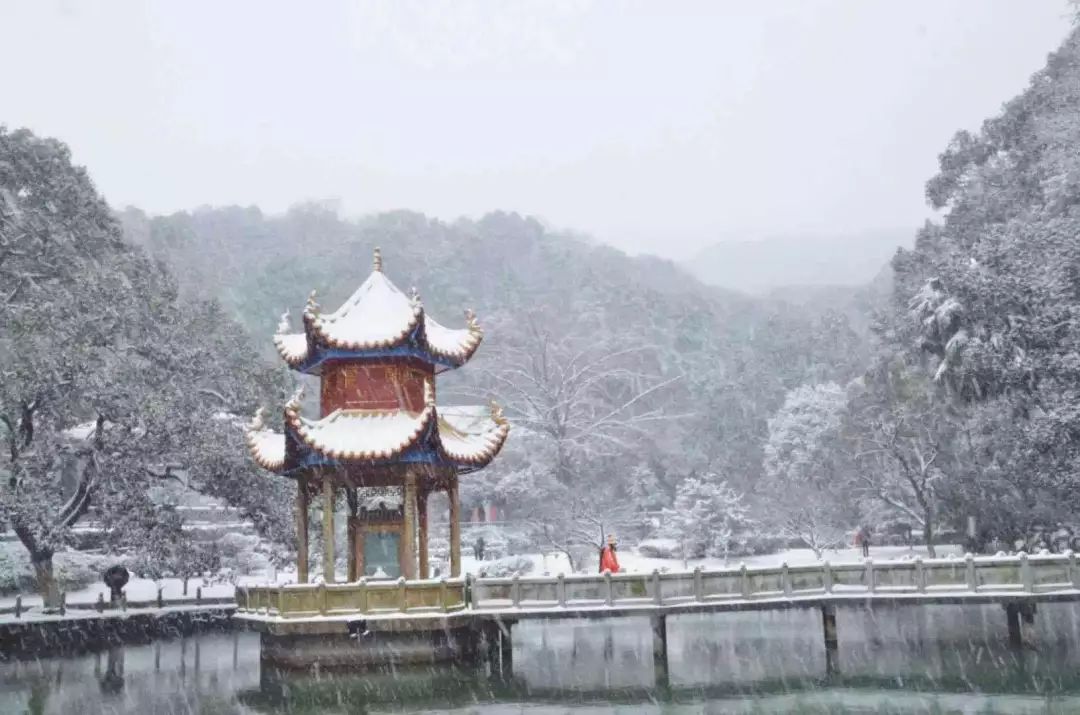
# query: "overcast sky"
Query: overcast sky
{"points": [[654, 126]]}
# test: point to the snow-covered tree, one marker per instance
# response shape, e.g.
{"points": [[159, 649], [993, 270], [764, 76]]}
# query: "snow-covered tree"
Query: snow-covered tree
{"points": [[987, 302], [706, 515], [70, 288], [589, 400], [902, 432], [807, 492], [106, 377], [578, 524]]}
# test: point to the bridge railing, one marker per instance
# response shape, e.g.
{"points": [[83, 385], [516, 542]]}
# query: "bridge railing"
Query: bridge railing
{"points": [[361, 597], [982, 574], [969, 575]]}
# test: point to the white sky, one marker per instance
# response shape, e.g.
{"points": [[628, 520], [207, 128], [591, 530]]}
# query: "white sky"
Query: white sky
{"points": [[655, 126]]}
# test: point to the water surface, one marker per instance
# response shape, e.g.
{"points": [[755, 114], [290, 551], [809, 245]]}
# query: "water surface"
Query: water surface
{"points": [[941, 659]]}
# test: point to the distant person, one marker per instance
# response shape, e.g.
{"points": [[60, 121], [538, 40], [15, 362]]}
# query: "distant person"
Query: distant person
{"points": [[478, 548], [608, 560], [862, 538]]}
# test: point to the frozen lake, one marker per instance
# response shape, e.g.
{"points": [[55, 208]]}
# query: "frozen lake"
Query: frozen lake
{"points": [[941, 659]]}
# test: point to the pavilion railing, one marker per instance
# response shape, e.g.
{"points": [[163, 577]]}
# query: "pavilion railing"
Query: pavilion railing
{"points": [[999, 575], [362, 597]]}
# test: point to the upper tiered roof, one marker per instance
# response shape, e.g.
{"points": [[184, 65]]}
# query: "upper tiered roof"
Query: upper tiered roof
{"points": [[378, 320]]}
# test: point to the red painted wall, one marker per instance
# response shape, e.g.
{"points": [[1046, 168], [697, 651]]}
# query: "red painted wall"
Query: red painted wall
{"points": [[373, 386]]}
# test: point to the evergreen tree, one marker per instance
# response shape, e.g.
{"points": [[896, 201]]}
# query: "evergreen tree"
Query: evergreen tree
{"points": [[706, 515]]}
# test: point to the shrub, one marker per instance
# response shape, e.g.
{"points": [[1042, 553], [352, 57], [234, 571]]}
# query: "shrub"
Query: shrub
{"points": [[758, 544], [77, 569], [15, 573], [508, 566], [660, 548], [518, 543]]}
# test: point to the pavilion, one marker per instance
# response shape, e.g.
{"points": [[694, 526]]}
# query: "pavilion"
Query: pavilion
{"points": [[380, 437]]}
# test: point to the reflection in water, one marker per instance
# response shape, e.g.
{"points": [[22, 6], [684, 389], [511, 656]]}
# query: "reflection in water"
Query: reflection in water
{"points": [[960, 648], [584, 655], [113, 680], [189, 675], [947, 659], [743, 649]]}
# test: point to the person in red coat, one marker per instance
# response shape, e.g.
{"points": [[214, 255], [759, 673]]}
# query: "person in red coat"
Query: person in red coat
{"points": [[608, 560]]}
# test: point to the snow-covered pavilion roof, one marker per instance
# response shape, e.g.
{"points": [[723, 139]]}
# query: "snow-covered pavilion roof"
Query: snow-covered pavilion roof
{"points": [[377, 317], [266, 446], [465, 437], [466, 433], [361, 434]]}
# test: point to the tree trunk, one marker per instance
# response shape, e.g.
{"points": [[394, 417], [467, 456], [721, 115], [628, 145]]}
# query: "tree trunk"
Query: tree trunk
{"points": [[570, 560], [928, 534], [46, 580]]}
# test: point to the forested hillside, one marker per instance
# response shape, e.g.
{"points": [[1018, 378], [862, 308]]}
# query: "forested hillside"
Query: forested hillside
{"points": [[989, 302], [967, 417], [638, 374]]}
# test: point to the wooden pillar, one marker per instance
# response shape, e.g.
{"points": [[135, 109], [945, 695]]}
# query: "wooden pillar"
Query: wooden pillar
{"points": [[350, 556], [328, 529], [408, 530], [350, 535], [422, 547], [455, 528], [301, 530], [359, 547]]}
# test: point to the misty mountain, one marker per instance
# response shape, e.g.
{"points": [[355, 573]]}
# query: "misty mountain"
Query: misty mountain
{"points": [[858, 304], [757, 266]]}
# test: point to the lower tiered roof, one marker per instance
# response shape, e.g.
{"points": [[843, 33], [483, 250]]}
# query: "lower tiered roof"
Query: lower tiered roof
{"points": [[466, 438]]}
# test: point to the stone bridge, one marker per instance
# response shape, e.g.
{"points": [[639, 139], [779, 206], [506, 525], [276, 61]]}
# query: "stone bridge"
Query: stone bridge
{"points": [[374, 622]]}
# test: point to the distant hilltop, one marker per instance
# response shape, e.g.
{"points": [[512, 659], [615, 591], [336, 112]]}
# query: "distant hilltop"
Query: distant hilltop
{"points": [[761, 265]]}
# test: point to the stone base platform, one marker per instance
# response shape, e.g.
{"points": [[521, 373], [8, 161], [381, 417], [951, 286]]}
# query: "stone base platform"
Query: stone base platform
{"points": [[341, 643]]}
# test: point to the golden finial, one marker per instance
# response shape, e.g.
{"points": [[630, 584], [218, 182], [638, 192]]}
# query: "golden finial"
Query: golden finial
{"points": [[257, 421], [470, 319], [312, 307], [376, 261], [497, 414], [283, 324]]}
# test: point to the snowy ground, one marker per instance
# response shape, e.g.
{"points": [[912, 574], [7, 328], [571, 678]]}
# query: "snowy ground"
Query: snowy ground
{"points": [[632, 562], [139, 589], [793, 557]]}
